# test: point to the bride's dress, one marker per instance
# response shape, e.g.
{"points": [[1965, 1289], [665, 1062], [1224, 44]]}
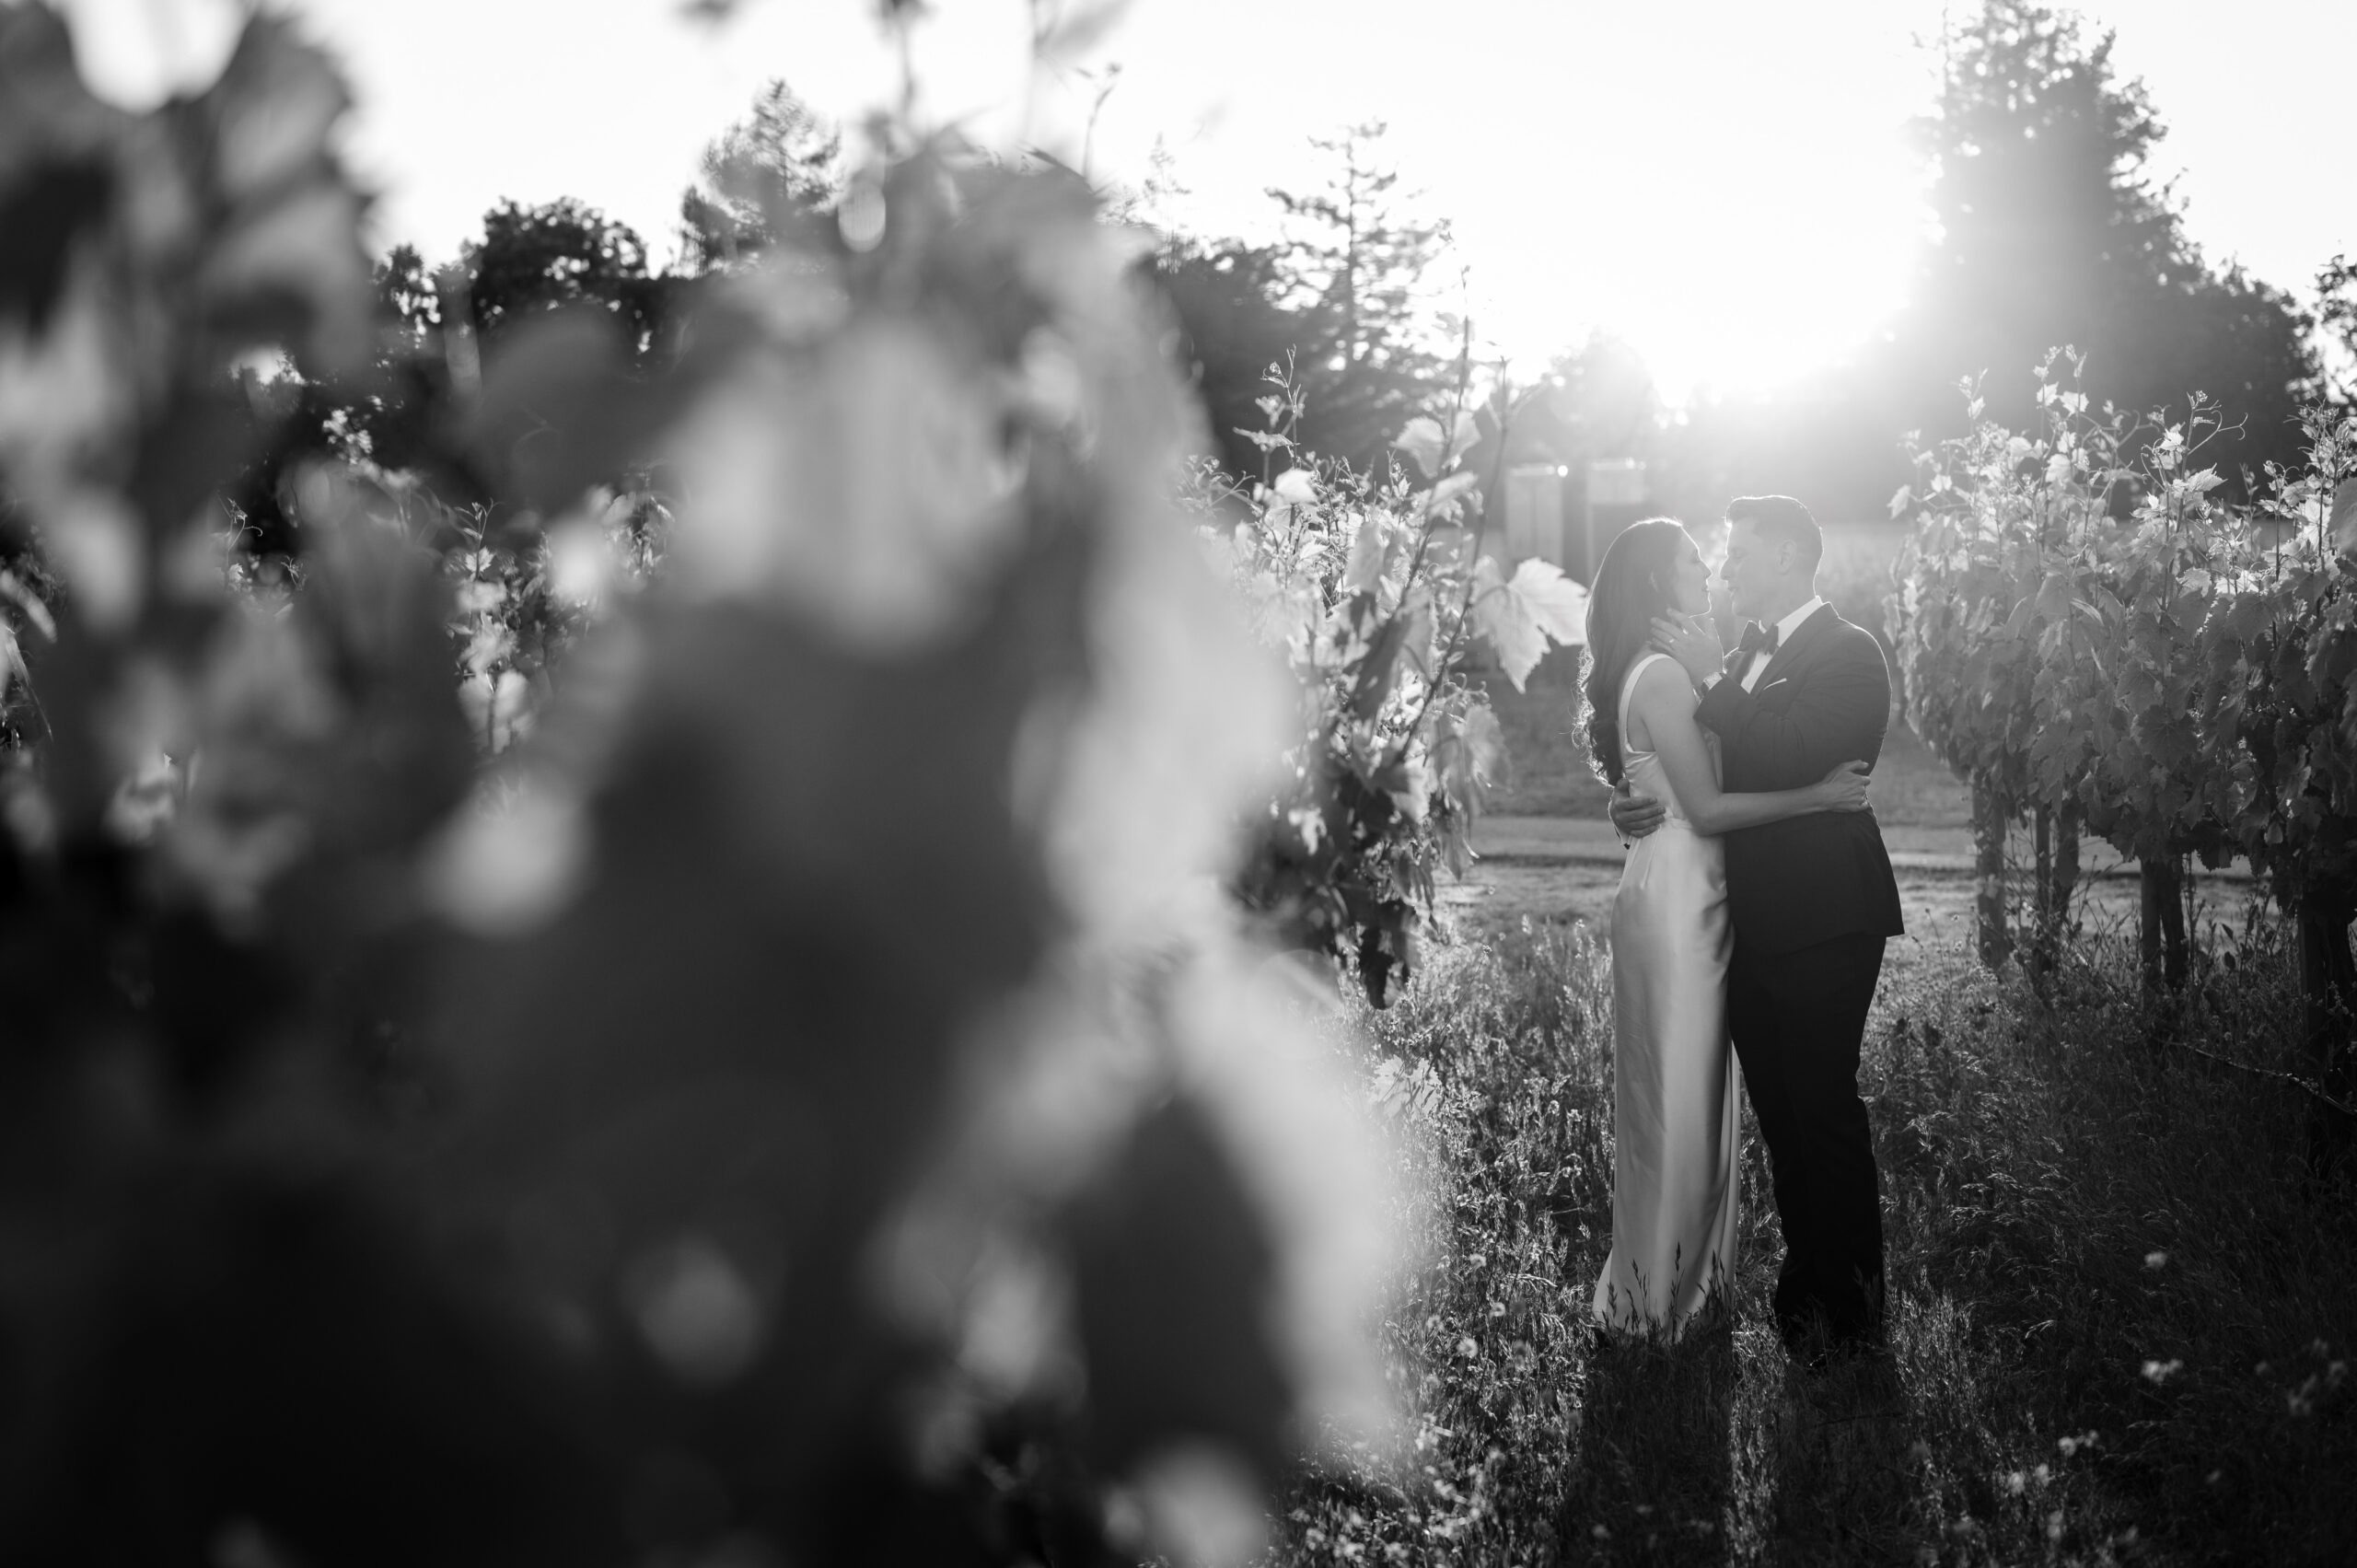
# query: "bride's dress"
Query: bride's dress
{"points": [[1673, 1074]]}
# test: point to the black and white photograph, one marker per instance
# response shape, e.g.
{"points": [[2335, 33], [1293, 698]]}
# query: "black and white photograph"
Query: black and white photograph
{"points": [[1178, 783]]}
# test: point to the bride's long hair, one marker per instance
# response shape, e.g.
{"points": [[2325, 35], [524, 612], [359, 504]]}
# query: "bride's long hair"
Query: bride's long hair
{"points": [[1631, 587]]}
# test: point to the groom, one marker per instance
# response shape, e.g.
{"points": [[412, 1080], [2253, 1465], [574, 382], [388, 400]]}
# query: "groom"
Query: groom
{"points": [[1812, 900]]}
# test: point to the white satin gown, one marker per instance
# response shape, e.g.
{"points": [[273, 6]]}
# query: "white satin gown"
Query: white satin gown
{"points": [[1674, 1075]]}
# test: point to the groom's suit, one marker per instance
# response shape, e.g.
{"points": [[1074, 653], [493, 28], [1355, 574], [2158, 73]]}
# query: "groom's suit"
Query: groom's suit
{"points": [[1812, 900]]}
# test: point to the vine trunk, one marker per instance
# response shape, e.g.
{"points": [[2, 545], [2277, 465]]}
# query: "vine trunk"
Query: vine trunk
{"points": [[2328, 1002]]}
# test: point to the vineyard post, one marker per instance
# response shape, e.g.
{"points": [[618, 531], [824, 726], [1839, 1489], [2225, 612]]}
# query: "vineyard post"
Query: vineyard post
{"points": [[1989, 862], [2057, 830], [2066, 861], [2042, 937], [2160, 925]]}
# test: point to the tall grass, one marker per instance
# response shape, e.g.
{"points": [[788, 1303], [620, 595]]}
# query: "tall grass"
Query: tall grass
{"points": [[2121, 1312]]}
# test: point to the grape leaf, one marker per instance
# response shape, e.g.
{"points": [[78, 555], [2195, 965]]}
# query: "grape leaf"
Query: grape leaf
{"points": [[1434, 449], [1520, 615], [2344, 516], [1370, 549]]}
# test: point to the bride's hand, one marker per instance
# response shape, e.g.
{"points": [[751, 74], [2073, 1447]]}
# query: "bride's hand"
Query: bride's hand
{"points": [[1849, 787], [1693, 641]]}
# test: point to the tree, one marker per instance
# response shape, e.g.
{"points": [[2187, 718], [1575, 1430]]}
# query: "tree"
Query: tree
{"points": [[561, 252], [780, 166], [1599, 401], [389, 410], [394, 408], [1340, 305], [1833, 437], [2337, 306], [408, 298], [1605, 401], [1227, 295], [1358, 271], [2047, 229]]}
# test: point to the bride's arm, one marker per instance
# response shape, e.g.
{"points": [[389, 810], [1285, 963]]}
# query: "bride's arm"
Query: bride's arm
{"points": [[1664, 700]]}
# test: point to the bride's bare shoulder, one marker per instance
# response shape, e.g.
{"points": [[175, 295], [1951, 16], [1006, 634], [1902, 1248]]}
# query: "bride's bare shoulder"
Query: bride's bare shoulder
{"points": [[1662, 695], [1661, 687]]}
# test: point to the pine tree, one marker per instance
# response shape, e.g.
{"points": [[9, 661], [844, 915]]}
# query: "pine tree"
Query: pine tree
{"points": [[779, 166], [1227, 295], [1361, 279]]}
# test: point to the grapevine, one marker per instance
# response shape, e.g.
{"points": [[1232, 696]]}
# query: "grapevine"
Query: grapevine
{"points": [[1375, 592], [2088, 632]]}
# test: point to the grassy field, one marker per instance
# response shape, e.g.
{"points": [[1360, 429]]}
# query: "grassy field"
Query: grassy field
{"points": [[2122, 1313]]}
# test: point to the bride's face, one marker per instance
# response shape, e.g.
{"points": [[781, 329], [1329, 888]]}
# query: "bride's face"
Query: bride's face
{"points": [[1690, 580]]}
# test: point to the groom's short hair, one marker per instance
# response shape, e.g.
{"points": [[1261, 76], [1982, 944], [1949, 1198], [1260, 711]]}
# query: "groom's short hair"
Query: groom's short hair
{"points": [[1782, 518]]}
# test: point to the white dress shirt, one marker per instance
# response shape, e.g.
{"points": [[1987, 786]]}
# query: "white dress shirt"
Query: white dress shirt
{"points": [[1784, 630]]}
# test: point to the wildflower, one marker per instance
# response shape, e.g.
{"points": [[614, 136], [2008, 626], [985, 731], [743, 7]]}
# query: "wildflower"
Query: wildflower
{"points": [[2161, 1371], [2015, 1483], [1600, 1533], [2155, 1260]]}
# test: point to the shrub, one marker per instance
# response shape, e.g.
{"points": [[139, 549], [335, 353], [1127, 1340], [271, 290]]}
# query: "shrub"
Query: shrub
{"points": [[1375, 592]]}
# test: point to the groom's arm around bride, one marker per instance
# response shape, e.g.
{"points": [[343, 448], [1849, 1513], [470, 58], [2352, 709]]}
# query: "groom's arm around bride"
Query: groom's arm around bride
{"points": [[1822, 698]]}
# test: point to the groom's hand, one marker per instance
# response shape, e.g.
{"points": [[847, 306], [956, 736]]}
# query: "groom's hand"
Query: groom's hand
{"points": [[1634, 815], [1691, 640]]}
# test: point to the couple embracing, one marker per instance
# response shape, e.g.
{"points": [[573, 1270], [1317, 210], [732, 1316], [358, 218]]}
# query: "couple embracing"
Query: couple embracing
{"points": [[1753, 907]]}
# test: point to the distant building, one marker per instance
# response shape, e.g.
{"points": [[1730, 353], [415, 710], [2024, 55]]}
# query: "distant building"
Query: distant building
{"points": [[1566, 520], [1533, 522], [1618, 492]]}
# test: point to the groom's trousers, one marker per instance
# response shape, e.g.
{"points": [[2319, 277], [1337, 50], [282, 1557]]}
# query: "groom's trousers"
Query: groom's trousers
{"points": [[1798, 1019]]}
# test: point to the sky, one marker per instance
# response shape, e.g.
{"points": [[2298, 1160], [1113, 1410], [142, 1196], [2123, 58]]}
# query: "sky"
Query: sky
{"points": [[1725, 183]]}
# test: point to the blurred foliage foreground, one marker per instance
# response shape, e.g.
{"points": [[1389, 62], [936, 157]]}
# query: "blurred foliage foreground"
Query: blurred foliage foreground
{"points": [[805, 1102]]}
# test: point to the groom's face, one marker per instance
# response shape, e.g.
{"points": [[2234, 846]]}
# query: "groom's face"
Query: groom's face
{"points": [[1750, 572]]}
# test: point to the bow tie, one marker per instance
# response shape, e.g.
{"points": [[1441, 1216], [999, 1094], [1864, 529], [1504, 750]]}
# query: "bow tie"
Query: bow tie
{"points": [[1757, 639]]}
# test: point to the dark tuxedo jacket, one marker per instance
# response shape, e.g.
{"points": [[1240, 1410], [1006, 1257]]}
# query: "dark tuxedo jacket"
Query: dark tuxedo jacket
{"points": [[1824, 698]]}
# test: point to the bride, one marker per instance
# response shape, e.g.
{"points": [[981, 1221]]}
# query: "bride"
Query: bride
{"points": [[1673, 1074]]}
